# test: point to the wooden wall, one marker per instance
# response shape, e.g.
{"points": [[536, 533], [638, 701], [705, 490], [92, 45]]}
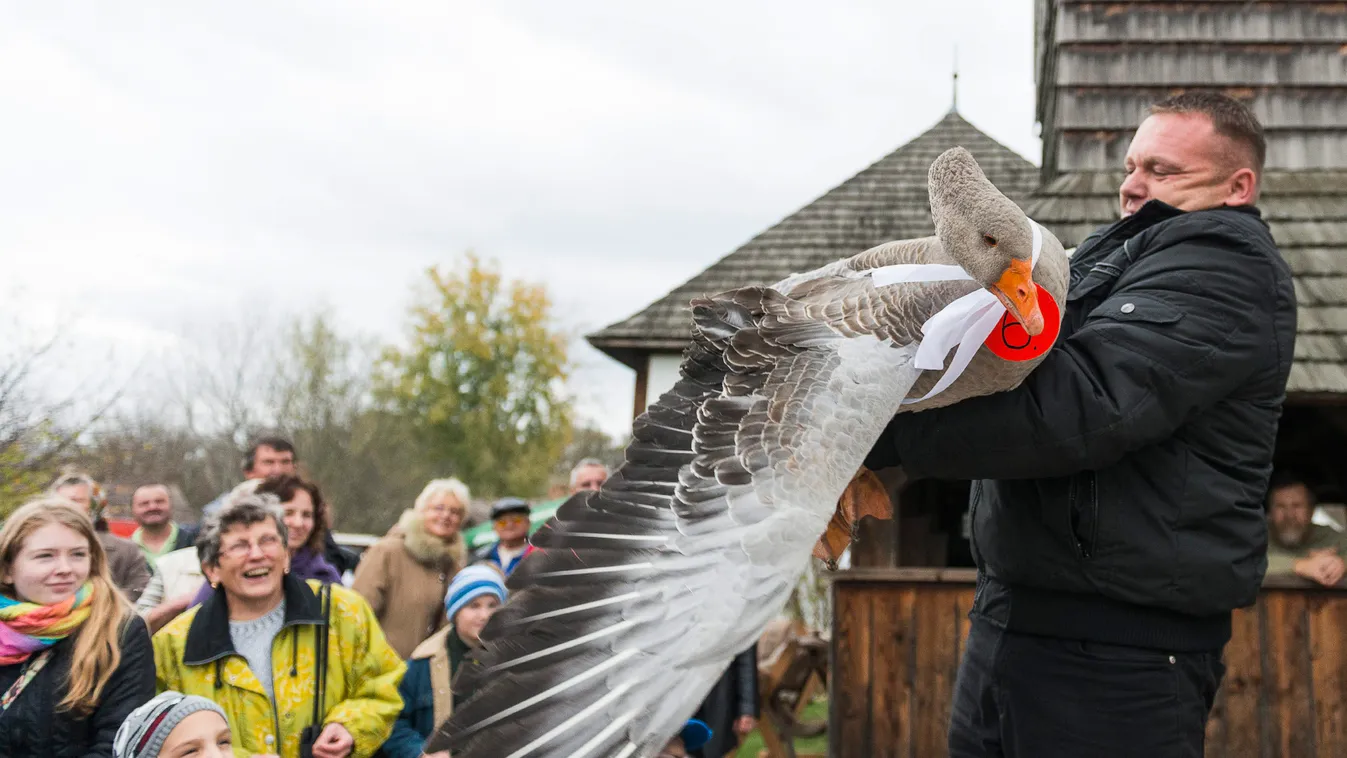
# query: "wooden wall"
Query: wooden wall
{"points": [[899, 633]]}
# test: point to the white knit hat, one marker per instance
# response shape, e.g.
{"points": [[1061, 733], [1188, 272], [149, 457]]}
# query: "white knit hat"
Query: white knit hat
{"points": [[145, 730]]}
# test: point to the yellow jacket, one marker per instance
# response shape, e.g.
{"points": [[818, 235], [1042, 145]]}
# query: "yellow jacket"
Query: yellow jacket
{"points": [[194, 654]]}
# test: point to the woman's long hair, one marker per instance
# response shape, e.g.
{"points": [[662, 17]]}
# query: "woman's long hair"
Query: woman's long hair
{"points": [[97, 643]]}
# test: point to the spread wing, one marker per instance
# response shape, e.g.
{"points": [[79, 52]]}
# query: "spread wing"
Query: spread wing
{"points": [[641, 593]]}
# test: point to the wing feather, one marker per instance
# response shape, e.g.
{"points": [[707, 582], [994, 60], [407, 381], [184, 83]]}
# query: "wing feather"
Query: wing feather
{"points": [[639, 594]]}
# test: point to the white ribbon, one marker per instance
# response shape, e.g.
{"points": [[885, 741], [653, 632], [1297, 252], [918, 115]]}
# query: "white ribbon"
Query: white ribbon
{"points": [[966, 322]]}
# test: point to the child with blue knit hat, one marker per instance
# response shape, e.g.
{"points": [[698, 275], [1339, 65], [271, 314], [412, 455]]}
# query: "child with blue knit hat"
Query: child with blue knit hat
{"points": [[474, 594]]}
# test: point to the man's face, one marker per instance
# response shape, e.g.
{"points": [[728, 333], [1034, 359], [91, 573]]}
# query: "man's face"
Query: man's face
{"points": [[1289, 512], [77, 493], [269, 462], [512, 527], [1179, 159], [151, 506], [589, 478]]}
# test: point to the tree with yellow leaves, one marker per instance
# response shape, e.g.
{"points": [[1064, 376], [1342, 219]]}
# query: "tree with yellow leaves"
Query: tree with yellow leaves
{"points": [[480, 380]]}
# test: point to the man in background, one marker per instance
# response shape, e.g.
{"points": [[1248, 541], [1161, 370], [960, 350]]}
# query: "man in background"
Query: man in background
{"points": [[1296, 545], [267, 456], [130, 570], [510, 519], [588, 474], [158, 534]]}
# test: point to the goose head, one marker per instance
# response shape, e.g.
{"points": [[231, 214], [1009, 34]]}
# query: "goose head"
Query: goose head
{"points": [[985, 233]]}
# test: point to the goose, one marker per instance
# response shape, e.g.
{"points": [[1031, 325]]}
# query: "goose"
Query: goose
{"points": [[639, 594]]}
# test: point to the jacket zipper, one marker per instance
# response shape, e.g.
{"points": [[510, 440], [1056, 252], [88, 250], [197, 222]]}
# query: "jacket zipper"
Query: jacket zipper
{"points": [[972, 538], [1086, 548]]}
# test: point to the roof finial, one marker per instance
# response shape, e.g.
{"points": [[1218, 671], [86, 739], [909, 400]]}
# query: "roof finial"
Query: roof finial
{"points": [[955, 107]]}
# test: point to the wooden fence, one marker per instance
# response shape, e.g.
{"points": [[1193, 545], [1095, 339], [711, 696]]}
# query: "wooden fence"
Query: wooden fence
{"points": [[898, 636]]}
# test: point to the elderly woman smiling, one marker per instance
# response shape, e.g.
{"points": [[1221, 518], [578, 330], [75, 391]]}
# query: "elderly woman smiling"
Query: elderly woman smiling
{"points": [[251, 646], [405, 575]]}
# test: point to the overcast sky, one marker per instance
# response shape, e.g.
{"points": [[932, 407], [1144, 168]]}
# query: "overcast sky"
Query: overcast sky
{"points": [[168, 164]]}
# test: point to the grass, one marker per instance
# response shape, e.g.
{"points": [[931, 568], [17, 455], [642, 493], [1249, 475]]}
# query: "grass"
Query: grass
{"points": [[815, 711]]}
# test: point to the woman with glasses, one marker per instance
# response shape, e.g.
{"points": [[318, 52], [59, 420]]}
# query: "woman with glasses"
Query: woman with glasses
{"points": [[405, 575], [253, 646]]}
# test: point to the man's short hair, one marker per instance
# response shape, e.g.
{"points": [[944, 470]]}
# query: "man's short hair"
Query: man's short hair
{"points": [[586, 463], [279, 444], [1284, 478], [1231, 118], [147, 485]]}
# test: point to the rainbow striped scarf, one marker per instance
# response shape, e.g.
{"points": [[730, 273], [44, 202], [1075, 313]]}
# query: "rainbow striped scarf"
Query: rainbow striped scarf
{"points": [[26, 628]]}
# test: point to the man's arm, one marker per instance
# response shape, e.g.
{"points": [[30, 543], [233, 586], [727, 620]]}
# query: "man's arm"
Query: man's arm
{"points": [[1200, 321]]}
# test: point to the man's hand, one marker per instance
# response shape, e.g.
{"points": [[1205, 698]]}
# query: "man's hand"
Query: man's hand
{"points": [[441, 754], [745, 724], [1323, 566], [334, 742]]}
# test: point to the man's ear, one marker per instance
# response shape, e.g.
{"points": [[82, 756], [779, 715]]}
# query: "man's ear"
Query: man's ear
{"points": [[1243, 188]]}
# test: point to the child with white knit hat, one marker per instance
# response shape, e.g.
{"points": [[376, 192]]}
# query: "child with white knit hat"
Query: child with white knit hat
{"points": [[174, 724]]}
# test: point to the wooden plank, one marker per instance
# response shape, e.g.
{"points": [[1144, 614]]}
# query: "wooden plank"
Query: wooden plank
{"points": [[889, 576], [1328, 659], [849, 688], [1287, 682], [1242, 686], [936, 661], [892, 654]]}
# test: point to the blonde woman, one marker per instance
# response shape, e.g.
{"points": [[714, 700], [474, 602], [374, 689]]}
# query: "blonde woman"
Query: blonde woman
{"points": [[75, 659], [405, 575]]}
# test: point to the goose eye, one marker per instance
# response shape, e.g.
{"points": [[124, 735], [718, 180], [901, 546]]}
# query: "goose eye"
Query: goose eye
{"points": [[990, 240]]}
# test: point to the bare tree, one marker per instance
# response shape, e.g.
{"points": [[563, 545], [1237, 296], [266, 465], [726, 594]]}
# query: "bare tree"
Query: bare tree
{"points": [[41, 420]]}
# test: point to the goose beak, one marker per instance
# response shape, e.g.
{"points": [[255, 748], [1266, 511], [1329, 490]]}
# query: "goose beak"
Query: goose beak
{"points": [[1016, 290]]}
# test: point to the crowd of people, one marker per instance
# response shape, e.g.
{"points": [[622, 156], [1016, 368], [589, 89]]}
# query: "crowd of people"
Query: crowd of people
{"points": [[253, 632]]}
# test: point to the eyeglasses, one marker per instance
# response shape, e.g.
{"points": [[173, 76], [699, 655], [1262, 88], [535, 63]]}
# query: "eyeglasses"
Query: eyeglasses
{"points": [[240, 549], [514, 518], [442, 510]]}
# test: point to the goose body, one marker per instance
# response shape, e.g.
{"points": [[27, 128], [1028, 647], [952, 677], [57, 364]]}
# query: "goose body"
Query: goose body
{"points": [[642, 592]]}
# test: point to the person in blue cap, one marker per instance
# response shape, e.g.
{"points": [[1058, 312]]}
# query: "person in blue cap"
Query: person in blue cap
{"points": [[695, 734], [474, 594]]}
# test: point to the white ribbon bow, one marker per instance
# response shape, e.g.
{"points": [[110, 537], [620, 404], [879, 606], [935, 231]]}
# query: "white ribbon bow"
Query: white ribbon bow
{"points": [[966, 322]]}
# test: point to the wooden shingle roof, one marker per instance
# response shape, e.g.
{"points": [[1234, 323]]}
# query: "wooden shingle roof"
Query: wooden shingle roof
{"points": [[1307, 211], [886, 201]]}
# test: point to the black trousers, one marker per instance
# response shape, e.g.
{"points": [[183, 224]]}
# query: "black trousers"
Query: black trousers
{"points": [[1025, 696]]}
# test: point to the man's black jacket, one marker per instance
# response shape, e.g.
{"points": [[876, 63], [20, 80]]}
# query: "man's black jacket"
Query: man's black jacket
{"points": [[1122, 483]]}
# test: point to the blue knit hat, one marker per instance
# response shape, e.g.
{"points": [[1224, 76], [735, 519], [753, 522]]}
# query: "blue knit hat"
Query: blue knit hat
{"points": [[470, 583]]}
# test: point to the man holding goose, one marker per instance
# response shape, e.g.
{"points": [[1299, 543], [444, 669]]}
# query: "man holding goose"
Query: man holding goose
{"points": [[1117, 512]]}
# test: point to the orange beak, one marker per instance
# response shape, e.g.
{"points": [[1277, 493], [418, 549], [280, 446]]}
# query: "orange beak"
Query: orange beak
{"points": [[1016, 290]]}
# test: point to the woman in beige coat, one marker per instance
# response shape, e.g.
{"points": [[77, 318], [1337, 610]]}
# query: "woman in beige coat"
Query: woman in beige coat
{"points": [[405, 575]]}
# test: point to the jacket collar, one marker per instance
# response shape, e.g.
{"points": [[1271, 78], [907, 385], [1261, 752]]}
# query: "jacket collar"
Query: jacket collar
{"points": [[1150, 214], [208, 637]]}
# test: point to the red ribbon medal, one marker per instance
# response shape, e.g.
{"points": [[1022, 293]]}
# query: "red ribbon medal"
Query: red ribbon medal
{"points": [[1009, 341]]}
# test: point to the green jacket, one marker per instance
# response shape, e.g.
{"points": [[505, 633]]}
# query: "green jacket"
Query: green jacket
{"points": [[194, 654]]}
